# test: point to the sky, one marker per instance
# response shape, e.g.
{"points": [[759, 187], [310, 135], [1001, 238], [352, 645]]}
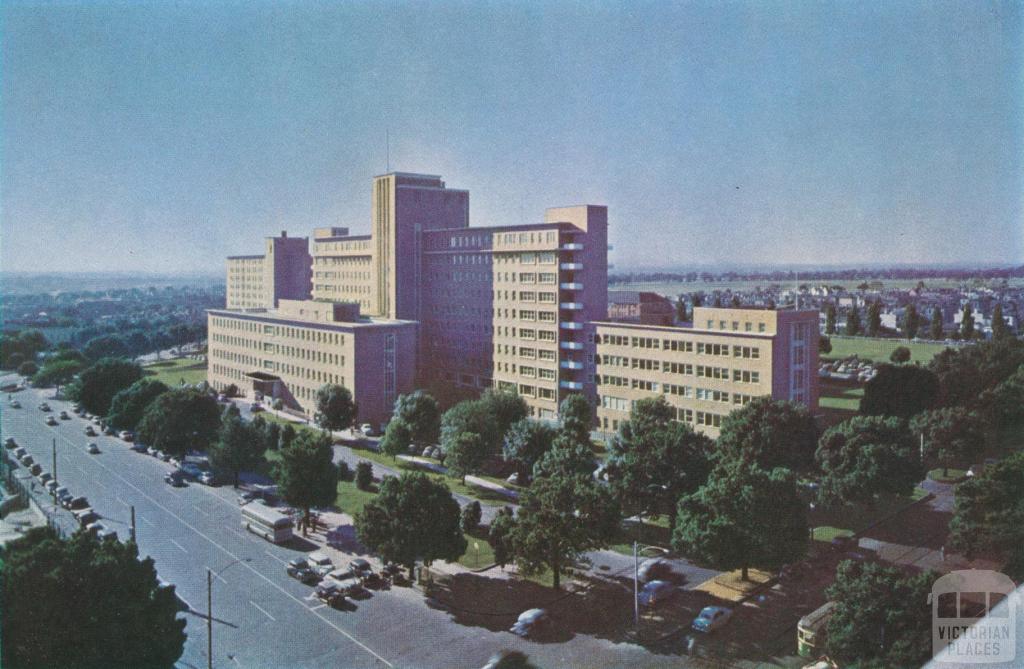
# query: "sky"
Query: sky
{"points": [[164, 136]]}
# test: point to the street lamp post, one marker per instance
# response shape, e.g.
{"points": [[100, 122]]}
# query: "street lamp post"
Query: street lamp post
{"points": [[209, 607]]}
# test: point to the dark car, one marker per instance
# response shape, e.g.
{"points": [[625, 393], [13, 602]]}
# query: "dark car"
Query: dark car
{"points": [[331, 593], [176, 479], [9, 443], [36, 469], [109, 431], [76, 503], [300, 569], [654, 569], [88, 518], [360, 567], [90, 431], [657, 592]]}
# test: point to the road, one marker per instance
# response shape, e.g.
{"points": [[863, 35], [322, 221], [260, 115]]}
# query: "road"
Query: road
{"points": [[263, 618]]}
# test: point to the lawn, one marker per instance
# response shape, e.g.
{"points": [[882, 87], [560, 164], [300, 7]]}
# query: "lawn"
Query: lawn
{"points": [[838, 401], [844, 521], [175, 372], [653, 532], [879, 350], [952, 475]]}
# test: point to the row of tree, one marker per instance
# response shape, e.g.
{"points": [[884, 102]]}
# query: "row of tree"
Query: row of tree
{"points": [[912, 322]]}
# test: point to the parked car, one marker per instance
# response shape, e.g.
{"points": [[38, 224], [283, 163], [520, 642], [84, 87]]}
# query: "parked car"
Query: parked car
{"points": [[92, 448], [320, 563], [139, 448], [844, 543], [347, 581], [110, 431], [207, 478], [27, 459], [51, 486], [256, 407], [90, 431], [656, 593], [76, 503], [303, 571], [711, 618], [51, 421], [360, 567], [126, 435], [367, 429], [531, 623], [9, 443], [331, 593], [175, 479], [45, 477], [654, 568], [64, 415], [19, 453], [35, 469], [44, 407], [62, 494], [86, 516], [94, 528], [15, 404], [107, 535]]}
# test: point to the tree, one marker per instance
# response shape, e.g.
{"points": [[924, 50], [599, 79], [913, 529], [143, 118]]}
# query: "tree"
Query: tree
{"points": [[1004, 404], [335, 408], [107, 346], [306, 475], [874, 318], [680, 309], [902, 391], [98, 384], [853, 321], [364, 475], [967, 323], [951, 436], [397, 438], [504, 408], [655, 460], [238, 448], [180, 420], [911, 321], [900, 354], [999, 328], [56, 373], [577, 418], [736, 302], [881, 616], [412, 518], [286, 437], [14, 360], [465, 455], [865, 457], [499, 536], [28, 369], [421, 414], [470, 416], [131, 620], [565, 458], [128, 405], [743, 517], [988, 515], [770, 433], [830, 318], [525, 443], [965, 374], [935, 330], [561, 517], [824, 345], [469, 521]]}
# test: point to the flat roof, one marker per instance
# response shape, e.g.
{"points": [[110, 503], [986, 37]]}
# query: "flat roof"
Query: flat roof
{"points": [[344, 238], [682, 329], [246, 257], [271, 317]]}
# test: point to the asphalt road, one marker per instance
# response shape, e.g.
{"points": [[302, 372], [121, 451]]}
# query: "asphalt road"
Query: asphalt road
{"points": [[262, 617]]}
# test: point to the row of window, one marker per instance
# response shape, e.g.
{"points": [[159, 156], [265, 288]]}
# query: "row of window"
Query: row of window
{"points": [[681, 414], [747, 326], [703, 348]]}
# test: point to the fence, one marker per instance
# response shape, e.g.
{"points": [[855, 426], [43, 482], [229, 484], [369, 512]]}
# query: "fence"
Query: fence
{"points": [[23, 484]]}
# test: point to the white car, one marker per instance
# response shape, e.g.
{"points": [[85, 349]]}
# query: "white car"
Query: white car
{"points": [[126, 435], [320, 563], [711, 618]]}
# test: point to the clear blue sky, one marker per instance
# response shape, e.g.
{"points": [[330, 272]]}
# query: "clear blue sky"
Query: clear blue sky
{"points": [[164, 136]]}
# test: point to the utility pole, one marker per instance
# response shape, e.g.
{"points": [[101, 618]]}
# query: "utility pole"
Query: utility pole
{"points": [[54, 493], [133, 524], [636, 586], [209, 619]]}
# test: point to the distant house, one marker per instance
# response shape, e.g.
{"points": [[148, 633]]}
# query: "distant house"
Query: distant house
{"points": [[631, 306]]}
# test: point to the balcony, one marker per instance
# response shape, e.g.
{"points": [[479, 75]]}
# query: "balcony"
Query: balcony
{"points": [[575, 306], [572, 345], [571, 364], [572, 246], [571, 286], [571, 266], [569, 325], [571, 385]]}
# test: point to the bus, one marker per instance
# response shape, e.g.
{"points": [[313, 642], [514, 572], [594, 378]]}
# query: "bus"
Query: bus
{"points": [[974, 617], [268, 523], [810, 631]]}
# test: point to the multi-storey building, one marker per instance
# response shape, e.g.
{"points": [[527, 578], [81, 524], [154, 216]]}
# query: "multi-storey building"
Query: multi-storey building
{"points": [[632, 306], [721, 361], [283, 272]]}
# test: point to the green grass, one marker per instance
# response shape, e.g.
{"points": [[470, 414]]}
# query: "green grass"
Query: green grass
{"points": [[879, 350], [827, 533], [846, 520], [478, 553], [653, 532], [838, 401], [351, 499], [951, 476], [172, 372]]}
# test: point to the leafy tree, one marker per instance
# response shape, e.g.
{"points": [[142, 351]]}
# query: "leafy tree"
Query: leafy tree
{"points": [[335, 408], [525, 443], [874, 318], [736, 302], [966, 373], [364, 475], [1004, 404], [128, 405], [499, 536], [967, 323], [397, 438], [698, 300], [853, 321], [565, 458], [988, 515], [901, 391], [900, 354], [130, 620], [470, 416], [306, 474], [655, 460], [271, 436], [743, 517], [824, 345], [180, 420], [471, 516], [107, 346], [999, 328], [881, 616], [717, 301], [680, 309], [420, 412], [561, 517], [17, 348], [911, 321], [951, 436], [56, 373], [465, 454], [413, 517], [28, 369], [935, 329], [505, 408], [830, 318], [577, 419], [238, 448], [865, 457], [770, 433], [14, 360], [286, 437], [98, 384]]}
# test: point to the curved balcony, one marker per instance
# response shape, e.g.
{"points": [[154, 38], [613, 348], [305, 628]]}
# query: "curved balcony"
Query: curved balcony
{"points": [[571, 266], [571, 345], [574, 306], [571, 286], [570, 325]]}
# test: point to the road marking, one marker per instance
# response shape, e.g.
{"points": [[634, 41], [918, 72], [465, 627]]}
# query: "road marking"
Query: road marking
{"points": [[276, 558], [200, 510], [182, 548], [145, 520], [262, 611], [245, 565], [317, 608]]}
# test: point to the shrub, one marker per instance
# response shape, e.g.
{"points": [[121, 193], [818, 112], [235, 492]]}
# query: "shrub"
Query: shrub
{"points": [[344, 471], [28, 368], [364, 475], [471, 515]]}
